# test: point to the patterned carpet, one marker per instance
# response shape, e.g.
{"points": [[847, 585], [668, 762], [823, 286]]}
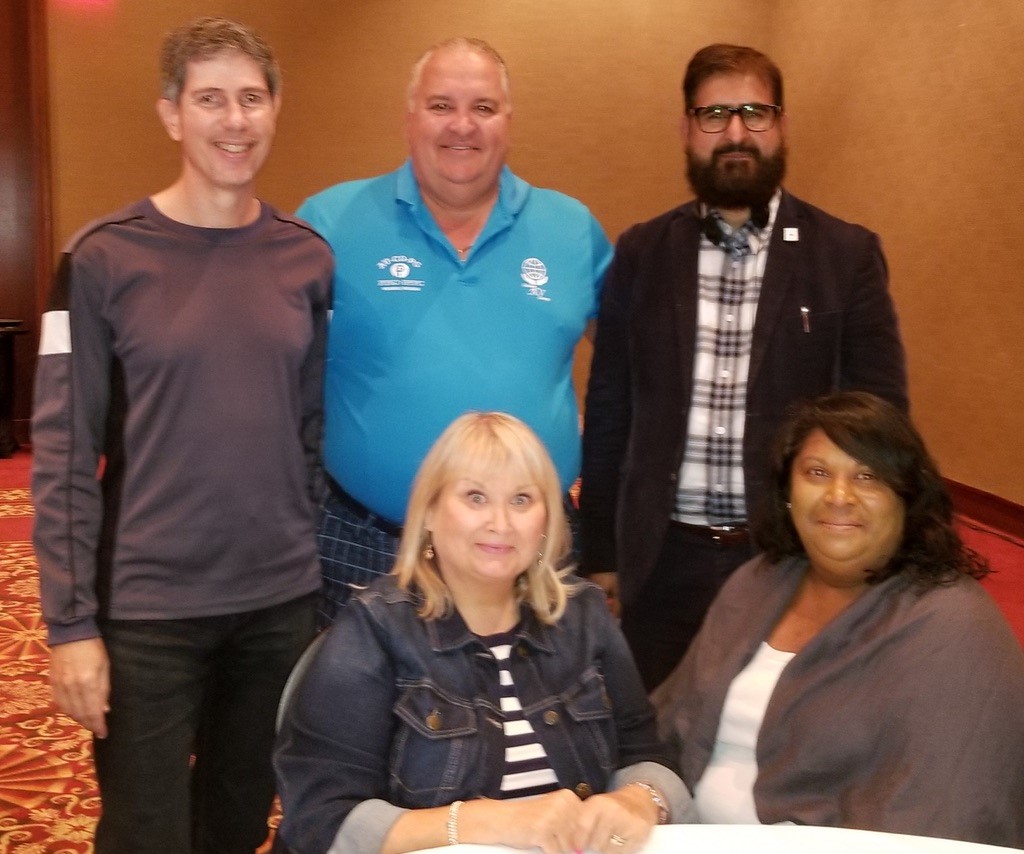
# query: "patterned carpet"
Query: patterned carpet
{"points": [[48, 798], [49, 803]]}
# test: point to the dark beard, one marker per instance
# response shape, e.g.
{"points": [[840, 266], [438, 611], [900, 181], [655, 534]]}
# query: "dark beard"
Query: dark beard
{"points": [[732, 188]]}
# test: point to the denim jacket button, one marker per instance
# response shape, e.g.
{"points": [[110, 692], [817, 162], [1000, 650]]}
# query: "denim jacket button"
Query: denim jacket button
{"points": [[583, 791], [434, 721], [551, 717]]}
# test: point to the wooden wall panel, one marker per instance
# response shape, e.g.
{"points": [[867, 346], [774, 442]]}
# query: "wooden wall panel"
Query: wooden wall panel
{"points": [[24, 187], [902, 117]]}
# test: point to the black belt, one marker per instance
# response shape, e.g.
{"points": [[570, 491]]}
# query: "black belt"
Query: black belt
{"points": [[727, 535], [366, 515]]}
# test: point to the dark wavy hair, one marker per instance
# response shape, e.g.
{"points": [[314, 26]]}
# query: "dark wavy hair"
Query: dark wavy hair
{"points": [[880, 436]]}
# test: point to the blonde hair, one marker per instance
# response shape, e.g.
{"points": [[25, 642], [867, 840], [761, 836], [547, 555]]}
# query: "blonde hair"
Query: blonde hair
{"points": [[486, 441]]}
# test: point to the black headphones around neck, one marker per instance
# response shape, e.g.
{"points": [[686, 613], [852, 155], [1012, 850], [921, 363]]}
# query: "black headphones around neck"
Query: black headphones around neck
{"points": [[711, 226]]}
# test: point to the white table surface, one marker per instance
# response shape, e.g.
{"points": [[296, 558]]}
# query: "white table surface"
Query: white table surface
{"points": [[771, 839]]}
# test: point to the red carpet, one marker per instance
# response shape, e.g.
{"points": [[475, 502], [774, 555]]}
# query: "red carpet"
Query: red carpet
{"points": [[48, 798], [49, 803]]}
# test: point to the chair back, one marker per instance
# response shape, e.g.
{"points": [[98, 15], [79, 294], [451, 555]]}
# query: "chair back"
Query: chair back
{"points": [[295, 677]]}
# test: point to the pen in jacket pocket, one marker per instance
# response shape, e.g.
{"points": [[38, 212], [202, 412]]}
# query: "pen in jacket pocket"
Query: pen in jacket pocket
{"points": [[805, 316]]}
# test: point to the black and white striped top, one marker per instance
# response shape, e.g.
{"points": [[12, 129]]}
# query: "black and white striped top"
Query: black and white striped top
{"points": [[527, 771]]}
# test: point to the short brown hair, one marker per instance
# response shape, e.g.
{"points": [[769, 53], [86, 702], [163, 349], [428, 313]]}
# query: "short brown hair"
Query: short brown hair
{"points": [[202, 39], [730, 59]]}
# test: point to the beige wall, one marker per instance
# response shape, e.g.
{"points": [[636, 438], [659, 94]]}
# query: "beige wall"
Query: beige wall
{"points": [[906, 118], [901, 117]]}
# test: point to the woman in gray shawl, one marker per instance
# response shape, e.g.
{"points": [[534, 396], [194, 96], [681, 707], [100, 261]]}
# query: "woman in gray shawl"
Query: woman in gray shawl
{"points": [[855, 674]]}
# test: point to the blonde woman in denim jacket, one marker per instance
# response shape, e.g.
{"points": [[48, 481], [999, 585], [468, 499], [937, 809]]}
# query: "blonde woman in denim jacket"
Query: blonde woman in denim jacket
{"points": [[477, 694]]}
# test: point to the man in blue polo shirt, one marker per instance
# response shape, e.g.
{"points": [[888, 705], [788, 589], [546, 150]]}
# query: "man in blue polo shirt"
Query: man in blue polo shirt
{"points": [[458, 287]]}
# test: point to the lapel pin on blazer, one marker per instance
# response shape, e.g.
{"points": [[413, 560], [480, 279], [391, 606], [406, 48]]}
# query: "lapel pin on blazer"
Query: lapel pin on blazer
{"points": [[791, 235]]}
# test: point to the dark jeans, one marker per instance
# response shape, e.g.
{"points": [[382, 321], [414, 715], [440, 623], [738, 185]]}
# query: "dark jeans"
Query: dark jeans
{"points": [[660, 625], [205, 687]]}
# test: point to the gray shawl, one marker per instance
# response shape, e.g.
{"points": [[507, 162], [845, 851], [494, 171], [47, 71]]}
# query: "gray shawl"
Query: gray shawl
{"points": [[905, 714]]}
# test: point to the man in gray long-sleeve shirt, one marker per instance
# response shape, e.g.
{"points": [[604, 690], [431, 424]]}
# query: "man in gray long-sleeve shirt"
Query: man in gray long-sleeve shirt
{"points": [[182, 357]]}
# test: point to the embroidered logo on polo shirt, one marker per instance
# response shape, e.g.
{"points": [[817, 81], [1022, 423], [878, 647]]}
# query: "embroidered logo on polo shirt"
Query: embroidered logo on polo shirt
{"points": [[399, 268], [535, 276]]}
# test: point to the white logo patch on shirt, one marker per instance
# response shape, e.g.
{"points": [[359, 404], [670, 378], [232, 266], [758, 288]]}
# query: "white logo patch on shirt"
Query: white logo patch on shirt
{"points": [[398, 269], [535, 276]]}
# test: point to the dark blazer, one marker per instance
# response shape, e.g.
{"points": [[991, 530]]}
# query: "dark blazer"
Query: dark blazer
{"points": [[641, 376]]}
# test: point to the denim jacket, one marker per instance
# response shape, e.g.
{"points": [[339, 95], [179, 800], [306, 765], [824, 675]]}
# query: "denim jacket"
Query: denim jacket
{"points": [[401, 713]]}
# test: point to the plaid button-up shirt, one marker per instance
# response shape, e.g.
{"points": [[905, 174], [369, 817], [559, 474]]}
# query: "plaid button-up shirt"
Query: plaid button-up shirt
{"points": [[711, 486]]}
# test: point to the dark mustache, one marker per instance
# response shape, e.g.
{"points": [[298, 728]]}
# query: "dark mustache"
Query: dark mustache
{"points": [[736, 148]]}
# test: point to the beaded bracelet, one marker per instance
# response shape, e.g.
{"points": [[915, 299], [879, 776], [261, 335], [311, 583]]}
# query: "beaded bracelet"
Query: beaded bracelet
{"points": [[659, 801], [453, 823]]}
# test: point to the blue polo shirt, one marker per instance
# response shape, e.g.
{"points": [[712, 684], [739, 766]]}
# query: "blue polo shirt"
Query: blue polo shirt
{"points": [[418, 337]]}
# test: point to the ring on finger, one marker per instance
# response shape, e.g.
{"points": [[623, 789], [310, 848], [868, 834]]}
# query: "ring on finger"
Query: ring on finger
{"points": [[615, 839]]}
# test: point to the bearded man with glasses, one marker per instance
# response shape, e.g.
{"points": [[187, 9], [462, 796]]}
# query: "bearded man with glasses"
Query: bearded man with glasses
{"points": [[715, 317]]}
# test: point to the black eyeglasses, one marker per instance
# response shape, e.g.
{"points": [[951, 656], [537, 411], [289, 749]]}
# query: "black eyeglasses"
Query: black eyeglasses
{"points": [[755, 117]]}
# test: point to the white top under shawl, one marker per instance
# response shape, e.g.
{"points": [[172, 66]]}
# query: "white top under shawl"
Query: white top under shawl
{"points": [[725, 792]]}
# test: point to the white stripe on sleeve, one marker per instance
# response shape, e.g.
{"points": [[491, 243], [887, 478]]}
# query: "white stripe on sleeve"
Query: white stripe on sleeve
{"points": [[55, 333]]}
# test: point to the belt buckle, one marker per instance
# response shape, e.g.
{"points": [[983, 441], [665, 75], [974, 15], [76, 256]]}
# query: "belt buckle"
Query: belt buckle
{"points": [[720, 532]]}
